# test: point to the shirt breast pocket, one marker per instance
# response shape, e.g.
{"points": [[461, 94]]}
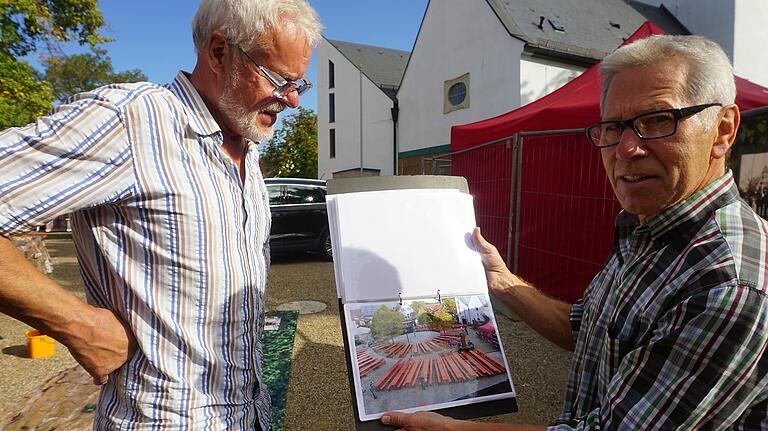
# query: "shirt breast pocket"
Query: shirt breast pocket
{"points": [[621, 338]]}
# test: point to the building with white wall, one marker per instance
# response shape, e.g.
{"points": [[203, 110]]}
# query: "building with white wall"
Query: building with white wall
{"points": [[737, 25], [356, 96], [475, 60], [523, 51]]}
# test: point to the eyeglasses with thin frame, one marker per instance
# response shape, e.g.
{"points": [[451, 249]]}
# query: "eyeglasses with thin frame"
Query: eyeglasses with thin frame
{"points": [[651, 125], [282, 86]]}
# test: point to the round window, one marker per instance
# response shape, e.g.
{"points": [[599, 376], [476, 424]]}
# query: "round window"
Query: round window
{"points": [[457, 93]]}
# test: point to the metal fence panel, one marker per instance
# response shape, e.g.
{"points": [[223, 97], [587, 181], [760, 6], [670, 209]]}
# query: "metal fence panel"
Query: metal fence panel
{"points": [[489, 174], [544, 201], [566, 214]]}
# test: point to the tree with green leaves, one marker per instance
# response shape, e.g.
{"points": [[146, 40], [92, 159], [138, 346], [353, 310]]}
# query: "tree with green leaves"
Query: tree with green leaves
{"points": [[417, 307], [292, 152], [386, 323], [449, 304], [28, 25], [24, 24], [23, 96], [70, 74], [441, 320]]}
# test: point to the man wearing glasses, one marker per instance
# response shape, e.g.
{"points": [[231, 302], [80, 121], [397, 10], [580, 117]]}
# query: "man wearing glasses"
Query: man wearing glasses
{"points": [[170, 220], [672, 332]]}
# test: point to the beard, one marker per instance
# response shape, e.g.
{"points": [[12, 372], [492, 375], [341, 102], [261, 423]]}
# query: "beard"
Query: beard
{"points": [[245, 121]]}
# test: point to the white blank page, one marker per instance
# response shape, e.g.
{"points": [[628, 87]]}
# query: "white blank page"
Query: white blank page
{"points": [[409, 242]]}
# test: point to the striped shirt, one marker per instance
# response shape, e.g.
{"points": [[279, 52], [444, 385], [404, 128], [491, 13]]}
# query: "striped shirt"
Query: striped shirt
{"points": [[167, 236], [672, 332]]}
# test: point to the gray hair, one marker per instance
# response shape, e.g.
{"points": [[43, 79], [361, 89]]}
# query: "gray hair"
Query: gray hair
{"points": [[710, 74], [244, 22]]}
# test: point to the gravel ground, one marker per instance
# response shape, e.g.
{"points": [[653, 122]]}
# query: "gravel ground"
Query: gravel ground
{"points": [[20, 373], [318, 394]]}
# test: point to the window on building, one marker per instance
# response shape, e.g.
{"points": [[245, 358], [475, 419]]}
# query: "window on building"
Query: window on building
{"points": [[332, 143], [456, 94], [331, 75], [331, 108]]}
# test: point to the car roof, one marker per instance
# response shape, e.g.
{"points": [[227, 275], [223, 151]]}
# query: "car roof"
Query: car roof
{"points": [[293, 181]]}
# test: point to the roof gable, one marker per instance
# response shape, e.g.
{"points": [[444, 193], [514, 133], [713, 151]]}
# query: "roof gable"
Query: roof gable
{"points": [[383, 66]]}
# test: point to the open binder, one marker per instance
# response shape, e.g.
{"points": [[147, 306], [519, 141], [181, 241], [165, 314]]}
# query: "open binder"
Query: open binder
{"points": [[418, 326]]}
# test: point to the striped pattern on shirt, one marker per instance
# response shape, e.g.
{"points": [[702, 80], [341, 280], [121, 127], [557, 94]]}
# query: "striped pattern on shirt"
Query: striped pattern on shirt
{"points": [[671, 334], [167, 236]]}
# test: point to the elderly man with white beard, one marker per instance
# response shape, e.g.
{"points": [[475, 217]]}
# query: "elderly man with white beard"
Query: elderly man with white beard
{"points": [[170, 221]]}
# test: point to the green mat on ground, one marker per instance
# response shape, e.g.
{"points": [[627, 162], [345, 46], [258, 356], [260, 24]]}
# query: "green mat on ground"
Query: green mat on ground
{"points": [[277, 341]]}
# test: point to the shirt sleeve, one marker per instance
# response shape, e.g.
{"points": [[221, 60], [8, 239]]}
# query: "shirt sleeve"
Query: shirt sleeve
{"points": [[699, 369], [77, 157]]}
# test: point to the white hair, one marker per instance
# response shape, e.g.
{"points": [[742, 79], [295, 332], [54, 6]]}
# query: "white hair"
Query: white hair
{"points": [[245, 22], [709, 78]]}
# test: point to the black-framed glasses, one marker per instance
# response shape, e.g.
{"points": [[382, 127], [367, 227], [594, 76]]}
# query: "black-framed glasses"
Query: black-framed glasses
{"points": [[282, 85], [652, 125]]}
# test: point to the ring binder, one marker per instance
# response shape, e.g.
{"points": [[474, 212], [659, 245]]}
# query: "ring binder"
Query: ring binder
{"points": [[407, 349]]}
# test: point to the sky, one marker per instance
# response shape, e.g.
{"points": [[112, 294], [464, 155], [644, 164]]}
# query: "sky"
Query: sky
{"points": [[155, 36]]}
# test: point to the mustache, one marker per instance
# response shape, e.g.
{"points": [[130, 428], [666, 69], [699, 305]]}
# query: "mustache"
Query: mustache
{"points": [[275, 107]]}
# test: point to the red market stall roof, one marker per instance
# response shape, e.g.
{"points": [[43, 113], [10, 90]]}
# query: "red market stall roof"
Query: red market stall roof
{"points": [[487, 328], [572, 106]]}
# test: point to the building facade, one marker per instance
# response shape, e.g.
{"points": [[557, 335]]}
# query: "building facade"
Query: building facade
{"points": [[356, 97], [382, 111]]}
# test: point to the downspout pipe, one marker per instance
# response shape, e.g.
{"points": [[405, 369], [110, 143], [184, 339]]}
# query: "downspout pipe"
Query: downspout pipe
{"points": [[395, 113]]}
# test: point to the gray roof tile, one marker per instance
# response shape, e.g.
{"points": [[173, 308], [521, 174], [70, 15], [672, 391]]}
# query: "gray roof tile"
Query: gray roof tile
{"points": [[593, 28], [383, 66]]}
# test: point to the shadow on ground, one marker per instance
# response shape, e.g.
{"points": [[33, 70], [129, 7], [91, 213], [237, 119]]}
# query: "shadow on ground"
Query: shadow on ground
{"points": [[19, 350], [318, 393]]}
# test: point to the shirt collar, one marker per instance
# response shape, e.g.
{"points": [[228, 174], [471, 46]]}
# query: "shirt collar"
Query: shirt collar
{"points": [[200, 118], [675, 221]]}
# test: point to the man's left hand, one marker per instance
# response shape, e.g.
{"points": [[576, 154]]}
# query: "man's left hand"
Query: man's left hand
{"points": [[104, 345], [420, 421], [430, 421]]}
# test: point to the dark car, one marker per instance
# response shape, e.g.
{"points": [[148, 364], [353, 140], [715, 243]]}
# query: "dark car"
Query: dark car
{"points": [[299, 216]]}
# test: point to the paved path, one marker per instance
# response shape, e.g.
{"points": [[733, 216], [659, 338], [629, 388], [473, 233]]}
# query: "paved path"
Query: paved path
{"points": [[64, 402]]}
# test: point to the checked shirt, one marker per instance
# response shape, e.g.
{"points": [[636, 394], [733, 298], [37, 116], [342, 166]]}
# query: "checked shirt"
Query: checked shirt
{"points": [[672, 333]]}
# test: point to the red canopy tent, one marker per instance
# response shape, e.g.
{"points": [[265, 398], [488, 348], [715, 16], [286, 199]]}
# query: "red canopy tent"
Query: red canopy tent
{"points": [[544, 200], [487, 329], [574, 105]]}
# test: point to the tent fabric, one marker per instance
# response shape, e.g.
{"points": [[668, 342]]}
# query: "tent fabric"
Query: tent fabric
{"points": [[474, 302], [572, 106], [488, 328]]}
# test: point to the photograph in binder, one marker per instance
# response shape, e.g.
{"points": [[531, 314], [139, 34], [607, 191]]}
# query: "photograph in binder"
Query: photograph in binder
{"points": [[426, 354]]}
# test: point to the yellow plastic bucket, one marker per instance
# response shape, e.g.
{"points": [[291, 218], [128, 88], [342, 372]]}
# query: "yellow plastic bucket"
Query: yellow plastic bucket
{"points": [[39, 345]]}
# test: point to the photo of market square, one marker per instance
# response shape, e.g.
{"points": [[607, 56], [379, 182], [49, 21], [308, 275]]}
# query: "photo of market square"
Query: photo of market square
{"points": [[427, 353]]}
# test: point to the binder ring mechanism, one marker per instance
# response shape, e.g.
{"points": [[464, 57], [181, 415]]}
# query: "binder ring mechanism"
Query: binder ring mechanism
{"points": [[400, 297]]}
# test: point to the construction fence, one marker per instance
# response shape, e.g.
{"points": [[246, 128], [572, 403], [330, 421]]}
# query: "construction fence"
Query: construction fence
{"points": [[543, 199]]}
